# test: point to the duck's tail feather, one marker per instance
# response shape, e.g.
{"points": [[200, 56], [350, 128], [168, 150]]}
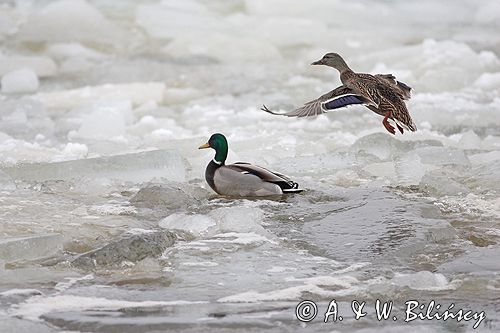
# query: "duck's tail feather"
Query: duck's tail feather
{"points": [[405, 89], [289, 187], [293, 190], [410, 126]]}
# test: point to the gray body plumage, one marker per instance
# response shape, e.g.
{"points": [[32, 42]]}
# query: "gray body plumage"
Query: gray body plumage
{"points": [[233, 182]]}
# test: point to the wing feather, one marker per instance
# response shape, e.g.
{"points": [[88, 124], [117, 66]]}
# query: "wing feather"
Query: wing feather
{"points": [[266, 175], [230, 181], [335, 99], [403, 90]]}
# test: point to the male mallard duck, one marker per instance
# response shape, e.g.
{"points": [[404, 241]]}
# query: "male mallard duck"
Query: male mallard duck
{"points": [[380, 93], [242, 179]]}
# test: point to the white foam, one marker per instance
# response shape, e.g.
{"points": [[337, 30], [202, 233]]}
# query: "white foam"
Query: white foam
{"points": [[238, 238], [112, 209], [21, 292], [139, 231], [281, 269], [73, 151], [199, 263], [70, 281], [423, 280], [472, 204], [319, 286], [37, 306]]}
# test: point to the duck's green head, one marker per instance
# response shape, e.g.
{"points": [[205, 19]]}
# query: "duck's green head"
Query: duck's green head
{"points": [[218, 142], [333, 60]]}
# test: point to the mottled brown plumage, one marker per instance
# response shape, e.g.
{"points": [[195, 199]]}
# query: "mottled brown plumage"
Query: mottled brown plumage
{"points": [[381, 93]]}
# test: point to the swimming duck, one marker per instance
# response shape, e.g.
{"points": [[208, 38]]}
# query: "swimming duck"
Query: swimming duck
{"points": [[242, 179], [381, 93]]}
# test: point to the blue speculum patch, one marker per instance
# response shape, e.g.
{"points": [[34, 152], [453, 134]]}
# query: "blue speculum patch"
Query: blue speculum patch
{"points": [[341, 102]]}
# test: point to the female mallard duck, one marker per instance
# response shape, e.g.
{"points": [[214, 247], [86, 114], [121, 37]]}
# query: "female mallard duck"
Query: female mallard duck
{"points": [[242, 179], [380, 93]]}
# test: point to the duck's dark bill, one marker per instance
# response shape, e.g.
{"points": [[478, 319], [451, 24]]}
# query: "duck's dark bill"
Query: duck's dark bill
{"points": [[206, 145]]}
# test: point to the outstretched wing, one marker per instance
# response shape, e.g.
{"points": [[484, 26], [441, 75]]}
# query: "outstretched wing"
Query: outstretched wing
{"points": [[335, 99]]}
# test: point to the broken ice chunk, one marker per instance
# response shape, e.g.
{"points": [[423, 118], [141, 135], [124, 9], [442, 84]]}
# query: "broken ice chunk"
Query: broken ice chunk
{"points": [[174, 19], [6, 182], [171, 196], [476, 260], [106, 121], [469, 140], [381, 145], [14, 324], [384, 170], [442, 156], [42, 66], [23, 80], [131, 248], [61, 51], [137, 93], [223, 48], [410, 169], [440, 182], [196, 224], [30, 247], [135, 167], [21, 118], [423, 280], [70, 21]]}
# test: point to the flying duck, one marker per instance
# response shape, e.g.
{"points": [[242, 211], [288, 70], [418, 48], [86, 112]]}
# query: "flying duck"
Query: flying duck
{"points": [[381, 93]]}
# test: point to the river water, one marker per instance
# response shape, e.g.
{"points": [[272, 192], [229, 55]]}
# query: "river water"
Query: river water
{"points": [[107, 224]]}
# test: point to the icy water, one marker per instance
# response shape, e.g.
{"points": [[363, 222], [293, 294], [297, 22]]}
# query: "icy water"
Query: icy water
{"points": [[107, 224]]}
